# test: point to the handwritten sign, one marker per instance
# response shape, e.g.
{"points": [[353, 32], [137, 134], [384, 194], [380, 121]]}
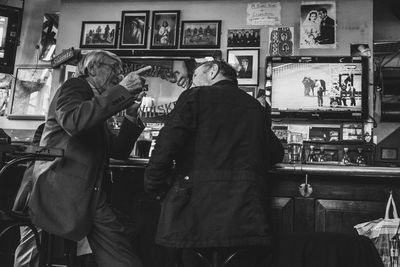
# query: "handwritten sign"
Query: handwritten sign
{"points": [[264, 13]]}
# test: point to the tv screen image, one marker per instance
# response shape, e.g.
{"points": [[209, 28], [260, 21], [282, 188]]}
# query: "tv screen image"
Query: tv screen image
{"points": [[315, 88], [3, 31]]}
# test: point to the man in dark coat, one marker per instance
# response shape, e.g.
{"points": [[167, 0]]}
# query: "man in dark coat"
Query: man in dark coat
{"points": [[67, 199], [221, 141], [327, 28]]}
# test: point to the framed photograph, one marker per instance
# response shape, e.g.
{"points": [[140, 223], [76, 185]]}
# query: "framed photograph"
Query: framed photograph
{"points": [[200, 34], [30, 97], [69, 72], [99, 34], [245, 61], [244, 38], [165, 29], [134, 29]]}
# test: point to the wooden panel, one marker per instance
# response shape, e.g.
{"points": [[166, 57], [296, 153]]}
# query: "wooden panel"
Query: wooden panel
{"points": [[342, 215], [304, 215], [282, 214]]}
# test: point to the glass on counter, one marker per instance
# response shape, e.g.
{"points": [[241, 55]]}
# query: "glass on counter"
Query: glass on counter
{"points": [[295, 147], [360, 160], [143, 144], [346, 157]]}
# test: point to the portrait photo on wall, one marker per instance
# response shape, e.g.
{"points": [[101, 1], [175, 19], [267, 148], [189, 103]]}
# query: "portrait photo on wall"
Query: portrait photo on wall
{"points": [[49, 36], [31, 94], [318, 24], [134, 29], [165, 29], [200, 34], [245, 61], [244, 38], [99, 34], [281, 41]]}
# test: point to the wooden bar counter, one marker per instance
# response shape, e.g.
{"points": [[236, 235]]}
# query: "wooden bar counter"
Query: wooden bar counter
{"points": [[336, 198]]}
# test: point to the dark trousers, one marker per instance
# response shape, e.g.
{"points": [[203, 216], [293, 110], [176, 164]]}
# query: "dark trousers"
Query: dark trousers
{"points": [[108, 239]]}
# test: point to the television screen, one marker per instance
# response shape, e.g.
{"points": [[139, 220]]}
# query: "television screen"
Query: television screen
{"points": [[10, 23], [320, 87], [3, 31]]}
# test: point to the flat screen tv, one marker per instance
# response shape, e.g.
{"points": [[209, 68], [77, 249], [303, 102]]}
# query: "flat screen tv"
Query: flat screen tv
{"points": [[332, 88], [10, 24]]}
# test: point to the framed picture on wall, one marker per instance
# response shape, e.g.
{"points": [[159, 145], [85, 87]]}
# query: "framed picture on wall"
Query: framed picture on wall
{"points": [[69, 72], [165, 29], [134, 29], [99, 34], [200, 34], [245, 61], [243, 38], [30, 97]]}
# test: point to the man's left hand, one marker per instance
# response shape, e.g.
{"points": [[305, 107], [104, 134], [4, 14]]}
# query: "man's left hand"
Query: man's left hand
{"points": [[133, 109]]}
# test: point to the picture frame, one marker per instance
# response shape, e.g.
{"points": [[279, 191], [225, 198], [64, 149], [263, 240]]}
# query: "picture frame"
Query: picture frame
{"points": [[165, 29], [243, 38], [99, 34], [69, 72], [134, 29], [247, 73], [200, 34], [30, 98]]}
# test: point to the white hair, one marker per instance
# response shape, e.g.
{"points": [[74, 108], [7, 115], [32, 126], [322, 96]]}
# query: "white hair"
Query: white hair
{"points": [[92, 58]]}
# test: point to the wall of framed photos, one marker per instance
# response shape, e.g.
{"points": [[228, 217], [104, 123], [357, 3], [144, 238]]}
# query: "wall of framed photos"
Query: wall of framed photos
{"points": [[352, 28]]}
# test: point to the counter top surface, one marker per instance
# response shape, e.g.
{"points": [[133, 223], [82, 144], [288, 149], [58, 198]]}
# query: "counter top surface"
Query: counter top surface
{"points": [[329, 169]]}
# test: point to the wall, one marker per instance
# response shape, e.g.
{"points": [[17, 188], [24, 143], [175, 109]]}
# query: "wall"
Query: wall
{"points": [[27, 54], [352, 28]]}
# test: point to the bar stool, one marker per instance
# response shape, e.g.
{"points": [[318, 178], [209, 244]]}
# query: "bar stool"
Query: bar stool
{"points": [[13, 219]]}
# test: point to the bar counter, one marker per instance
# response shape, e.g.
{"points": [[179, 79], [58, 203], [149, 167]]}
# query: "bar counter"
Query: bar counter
{"points": [[286, 168]]}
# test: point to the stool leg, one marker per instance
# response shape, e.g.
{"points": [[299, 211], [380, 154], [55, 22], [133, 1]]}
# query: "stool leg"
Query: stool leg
{"points": [[215, 262]]}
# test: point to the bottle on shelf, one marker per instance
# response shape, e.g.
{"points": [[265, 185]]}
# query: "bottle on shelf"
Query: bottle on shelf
{"points": [[346, 157], [322, 154], [312, 156], [361, 161]]}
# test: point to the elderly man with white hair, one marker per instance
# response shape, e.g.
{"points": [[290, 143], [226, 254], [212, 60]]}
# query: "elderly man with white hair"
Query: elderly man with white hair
{"points": [[67, 198]]}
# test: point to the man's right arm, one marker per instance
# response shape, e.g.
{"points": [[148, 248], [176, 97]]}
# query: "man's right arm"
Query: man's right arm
{"points": [[77, 109]]}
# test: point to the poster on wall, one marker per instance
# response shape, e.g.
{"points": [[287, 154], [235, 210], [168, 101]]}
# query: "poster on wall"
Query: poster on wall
{"points": [[318, 24], [281, 41], [264, 13], [49, 36], [31, 95]]}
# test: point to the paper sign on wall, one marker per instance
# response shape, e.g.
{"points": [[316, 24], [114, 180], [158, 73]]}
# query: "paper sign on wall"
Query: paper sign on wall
{"points": [[264, 13]]}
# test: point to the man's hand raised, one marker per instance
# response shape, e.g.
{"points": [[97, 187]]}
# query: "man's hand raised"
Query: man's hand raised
{"points": [[133, 82]]}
